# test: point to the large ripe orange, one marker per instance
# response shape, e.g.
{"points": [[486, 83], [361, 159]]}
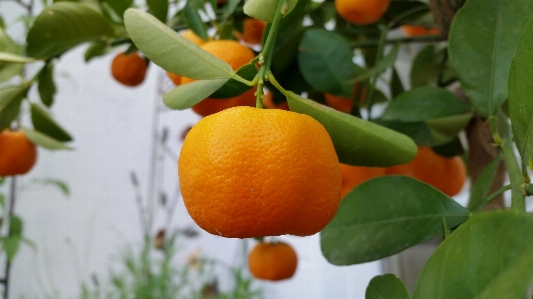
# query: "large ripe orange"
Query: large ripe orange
{"points": [[355, 175], [361, 12], [272, 261], [446, 174], [17, 153], [192, 37], [236, 55], [130, 69], [248, 172], [413, 30]]}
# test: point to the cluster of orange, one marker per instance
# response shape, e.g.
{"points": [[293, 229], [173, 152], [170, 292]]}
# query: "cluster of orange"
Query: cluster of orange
{"points": [[446, 174]]}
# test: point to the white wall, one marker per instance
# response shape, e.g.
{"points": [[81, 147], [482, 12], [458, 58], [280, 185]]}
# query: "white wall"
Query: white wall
{"points": [[79, 235]]}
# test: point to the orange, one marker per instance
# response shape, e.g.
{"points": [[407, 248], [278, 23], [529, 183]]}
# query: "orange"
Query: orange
{"points": [[345, 104], [192, 37], [236, 55], [129, 70], [272, 261], [355, 175], [361, 12], [248, 172], [268, 102], [446, 174], [412, 30], [17, 153], [253, 31]]}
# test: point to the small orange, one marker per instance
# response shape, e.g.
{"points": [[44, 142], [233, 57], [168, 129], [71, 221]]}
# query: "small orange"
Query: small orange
{"points": [[236, 55], [253, 31], [345, 104], [17, 153], [129, 70], [192, 37], [248, 172], [446, 174], [268, 102], [272, 261], [355, 175], [413, 30], [361, 12]]}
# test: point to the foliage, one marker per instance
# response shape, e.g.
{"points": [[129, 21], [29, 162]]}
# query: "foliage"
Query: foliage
{"points": [[308, 50]]}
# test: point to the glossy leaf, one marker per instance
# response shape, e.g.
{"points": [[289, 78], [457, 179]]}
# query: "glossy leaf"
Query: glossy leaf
{"points": [[445, 129], [96, 49], [45, 141], [188, 95], [265, 10], [46, 86], [173, 52], [44, 123], [325, 59], [8, 47], [387, 215], [418, 131], [387, 286], [422, 103], [357, 142], [159, 9], [520, 87], [482, 185], [10, 99], [484, 37], [233, 88], [488, 257], [119, 6], [381, 65], [194, 21], [62, 26], [427, 66]]}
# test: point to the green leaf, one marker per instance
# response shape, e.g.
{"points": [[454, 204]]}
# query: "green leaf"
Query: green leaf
{"points": [[520, 104], [188, 95], [356, 141], [62, 26], [15, 226], [422, 103], [10, 99], [265, 10], [387, 286], [159, 9], [46, 86], [381, 65], [45, 141], [2, 202], [119, 6], [481, 187], [325, 59], [396, 85], [445, 129], [11, 246], [44, 123], [7, 46], [488, 257], [8, 57], [61, 185], [427, 66], [233, 88], [173, 52], [95, 49], [384, 216], [194, 21], [418, 131], [484, 37]]}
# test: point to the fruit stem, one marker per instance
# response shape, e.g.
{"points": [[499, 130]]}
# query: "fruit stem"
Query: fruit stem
{"points": [[265, 57], [276, 84]]}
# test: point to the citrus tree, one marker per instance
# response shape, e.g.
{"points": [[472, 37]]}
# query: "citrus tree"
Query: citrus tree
{"points": [[366, 161]]}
